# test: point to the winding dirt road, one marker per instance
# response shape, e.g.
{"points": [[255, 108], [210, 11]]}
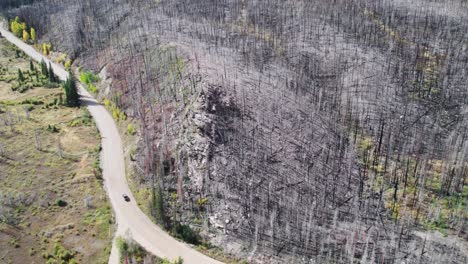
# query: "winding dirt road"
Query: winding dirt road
{"points": [[130, 219]]}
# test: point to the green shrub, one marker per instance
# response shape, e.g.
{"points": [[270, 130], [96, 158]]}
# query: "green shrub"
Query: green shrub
{"points": [[202, 201], [50, 85], [61, 203], [24, 87], [122, 246], [84, 120], [88, 78], [93, 89], [178, 260], [186, 233], [68, 64], [28, 108], [32, 101], [52, 129], [59, 254], [130, 250], [131, 130]]}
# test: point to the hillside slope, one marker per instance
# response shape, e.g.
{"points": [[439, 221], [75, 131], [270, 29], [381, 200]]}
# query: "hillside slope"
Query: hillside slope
{"points": [[289, 130]]}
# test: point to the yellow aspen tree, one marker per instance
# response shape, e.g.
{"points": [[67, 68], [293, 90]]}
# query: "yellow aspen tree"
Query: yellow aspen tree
{"points": [[33, 34], [25, 36]]}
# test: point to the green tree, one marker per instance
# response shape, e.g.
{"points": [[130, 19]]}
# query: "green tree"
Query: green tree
{"points": [[71, 92], [33, 34], [158, 206], [44, 69], [31, 65], [52, 77], [20, 76]]}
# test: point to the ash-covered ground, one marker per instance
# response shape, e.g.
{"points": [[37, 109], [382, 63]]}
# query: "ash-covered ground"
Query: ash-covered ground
{"points": [[290, 131]]}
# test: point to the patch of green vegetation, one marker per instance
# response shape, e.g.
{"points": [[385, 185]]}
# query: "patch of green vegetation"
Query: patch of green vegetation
{"points": [[59, 254], [52, 129], [117, 114], [96, 155], [443, 211], [218, 254], [84, 120], [88, 78], [93, 89], [178, 260], [186, 233], [365, 143], [33, 77], [202, 201], [61, 203], [128, 249], [131, 130], [407, 195], [100, 218]]}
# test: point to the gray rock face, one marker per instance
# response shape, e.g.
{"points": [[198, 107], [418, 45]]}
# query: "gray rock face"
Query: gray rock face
{"points": [[290, 131]]}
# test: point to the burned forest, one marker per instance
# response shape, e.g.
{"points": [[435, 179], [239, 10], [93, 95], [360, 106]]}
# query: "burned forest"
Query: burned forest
{"points": [[286, 131]]}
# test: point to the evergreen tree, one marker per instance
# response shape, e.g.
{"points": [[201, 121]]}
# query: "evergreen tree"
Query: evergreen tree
{"points": [[44, 69], [31, 65], [71, 92], [52, 77], [20, 76], [158, 205]]}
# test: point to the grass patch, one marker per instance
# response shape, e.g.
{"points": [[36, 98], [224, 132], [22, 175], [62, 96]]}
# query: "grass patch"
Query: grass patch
{"points": [[88, 78], [59, 254], [101, 218]]}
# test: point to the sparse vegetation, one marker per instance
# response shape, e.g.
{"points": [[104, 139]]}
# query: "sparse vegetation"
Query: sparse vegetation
{"points": [[131, 130], [59, 254], [90, 81], [88, 78], [186, 233], [157, 206], [131, 251], [116, 112], [46, 168]]}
